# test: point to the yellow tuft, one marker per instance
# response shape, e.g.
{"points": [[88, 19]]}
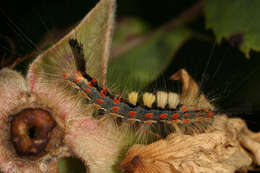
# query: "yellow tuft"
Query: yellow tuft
{"points": [[173, 100], [162, 99], [133, 97], [148, 99]]}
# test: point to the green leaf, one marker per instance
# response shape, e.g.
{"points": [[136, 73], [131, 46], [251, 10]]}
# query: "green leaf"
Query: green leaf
{"points": [[143, 63], [126, 30], [236, 20]]}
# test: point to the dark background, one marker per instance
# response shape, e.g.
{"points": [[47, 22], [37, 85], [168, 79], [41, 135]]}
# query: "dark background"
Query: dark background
{"points": [[229, 75]]}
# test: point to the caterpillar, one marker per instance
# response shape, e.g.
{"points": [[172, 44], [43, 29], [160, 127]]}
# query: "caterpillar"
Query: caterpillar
{"points": [[164, 107]]}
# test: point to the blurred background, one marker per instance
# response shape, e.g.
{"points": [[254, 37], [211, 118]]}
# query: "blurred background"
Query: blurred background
{"points": [[167, 31]]}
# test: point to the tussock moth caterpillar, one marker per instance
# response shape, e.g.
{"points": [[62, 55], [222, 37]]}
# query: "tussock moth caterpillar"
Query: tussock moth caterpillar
{"points": [[74, 71], [168, 104]]}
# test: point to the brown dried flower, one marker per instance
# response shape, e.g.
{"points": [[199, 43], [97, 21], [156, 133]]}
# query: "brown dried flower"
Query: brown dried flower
{"points": [[219, 149], [30, 139]]}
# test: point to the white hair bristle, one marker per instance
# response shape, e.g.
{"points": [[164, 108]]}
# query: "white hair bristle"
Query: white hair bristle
{"points": [[148, 99], [173, 100], [162, 99], [133, 97]]}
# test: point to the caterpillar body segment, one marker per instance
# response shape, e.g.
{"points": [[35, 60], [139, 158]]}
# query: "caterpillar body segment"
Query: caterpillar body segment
{"points": [[162, 107], [133, 110]]}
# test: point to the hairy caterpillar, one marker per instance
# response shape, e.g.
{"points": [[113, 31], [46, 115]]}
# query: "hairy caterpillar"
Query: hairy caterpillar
{"points": [[168, 107]]}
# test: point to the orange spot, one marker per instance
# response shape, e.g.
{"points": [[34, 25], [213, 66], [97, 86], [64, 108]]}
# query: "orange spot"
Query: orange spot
{"points": [[132, 113], [175, 116], [163, 116], [66, 75], [199, 119], [77, 79], [205, 109], [115, 108], [88, 90], [101, 94], [148, 122], [94, 80], [186, 114], [116, 101], [131, 119], [117, 95], [184, 109], [198, 113], [90, 85], [148, 115], [175, 121], [210, 114], [114, 115], [100, 101], [186, 120]]}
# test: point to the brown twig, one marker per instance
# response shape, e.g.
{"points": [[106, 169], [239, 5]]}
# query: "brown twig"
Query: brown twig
{"points": [[185, 17], [21, 59]]}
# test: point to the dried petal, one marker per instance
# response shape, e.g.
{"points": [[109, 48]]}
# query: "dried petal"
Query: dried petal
{"points": [[191, 94], [209, 152], [98, 144]]}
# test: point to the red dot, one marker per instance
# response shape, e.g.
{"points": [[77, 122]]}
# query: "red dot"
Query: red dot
{"points": [[184, 109], [90, 85], [205, 109], [66, 75], [88, 90], [132, 113], [101, 94], [115, 108], [148, 115], [210, 114], [94, 80], [163, 116], [175, 121], [100, 101], [175, 116], [186, 120], [186, 114], [199, 119], [116, 101], [76, 79]]}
